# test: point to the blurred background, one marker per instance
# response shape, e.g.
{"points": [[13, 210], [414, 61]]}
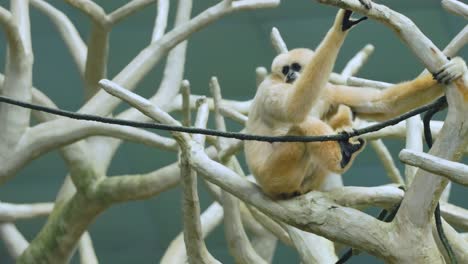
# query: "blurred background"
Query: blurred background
{"points": [[231, 49]]}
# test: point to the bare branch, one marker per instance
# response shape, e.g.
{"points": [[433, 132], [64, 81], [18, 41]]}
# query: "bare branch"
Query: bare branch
{"points": [[387, 161], [86, 249], [456, 7], [277, 41], [237, 240], [193, 237], [455, 215], [457, 43], [150, 56], [127, 10], [355, 64], [91, 9], [14, 241], [453, 171], [185, 91], [12, 212], [160, 22], [414, 141], [355, 81], [260, 75], [201, 120], [312, 248], [67, 30], [210, 218]]}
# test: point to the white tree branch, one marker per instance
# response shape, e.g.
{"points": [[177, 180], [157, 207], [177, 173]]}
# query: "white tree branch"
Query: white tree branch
{"points": [[356, 62], [210, 218], [67, 30], [387, 161], [160, 22], [86, 249], [453, 171], [355, 81], [238, 242], [127, 10], [12, 212], [456, 7], [312, 248], [91, 9], [277, 41], [14, 241], [132, 74]]}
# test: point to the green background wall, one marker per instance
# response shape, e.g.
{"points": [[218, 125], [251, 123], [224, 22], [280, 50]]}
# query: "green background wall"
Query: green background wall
{"points": [[139, 232]]}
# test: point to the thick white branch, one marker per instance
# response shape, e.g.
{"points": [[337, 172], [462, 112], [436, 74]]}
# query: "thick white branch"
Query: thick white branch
{"points": [[160, 22], [18, 75], [86, 249], [91, 9], [312, 248], [453, 171], [14, 241], [12, 212], [456, 7]]}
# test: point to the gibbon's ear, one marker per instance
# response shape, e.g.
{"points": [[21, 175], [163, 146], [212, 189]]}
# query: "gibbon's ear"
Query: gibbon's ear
{"points": [[347, 22]]}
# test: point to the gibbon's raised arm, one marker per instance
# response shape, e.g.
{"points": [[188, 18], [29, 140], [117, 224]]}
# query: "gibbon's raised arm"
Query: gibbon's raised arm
{"points": [[299, 76], [374, 104], [310, 84]]}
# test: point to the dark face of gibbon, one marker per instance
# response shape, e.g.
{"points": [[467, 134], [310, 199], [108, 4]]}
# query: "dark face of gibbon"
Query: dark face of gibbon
{"points": [[288, 66]]}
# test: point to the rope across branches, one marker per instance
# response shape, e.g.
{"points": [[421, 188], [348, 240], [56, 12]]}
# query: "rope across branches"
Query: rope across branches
{"points": [[236, 135]]}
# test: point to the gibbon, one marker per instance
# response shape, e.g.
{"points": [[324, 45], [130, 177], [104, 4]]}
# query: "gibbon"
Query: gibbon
{"points": [[282, 106], [296, 99]]}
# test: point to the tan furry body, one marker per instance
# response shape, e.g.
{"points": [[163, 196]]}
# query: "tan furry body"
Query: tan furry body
{"points": [[280, 108], [312, 106]]}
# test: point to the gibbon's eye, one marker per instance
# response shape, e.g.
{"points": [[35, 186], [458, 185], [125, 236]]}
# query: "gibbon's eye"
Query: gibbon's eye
{"points": [[296, 67], [285, 70]]}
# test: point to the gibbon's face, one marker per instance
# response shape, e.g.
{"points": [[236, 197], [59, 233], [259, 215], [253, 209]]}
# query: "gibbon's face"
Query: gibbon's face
{"points": [[288, 66]]}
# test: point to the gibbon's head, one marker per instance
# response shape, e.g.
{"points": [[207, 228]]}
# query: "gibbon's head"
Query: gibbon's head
{"points": [[288, 66]]}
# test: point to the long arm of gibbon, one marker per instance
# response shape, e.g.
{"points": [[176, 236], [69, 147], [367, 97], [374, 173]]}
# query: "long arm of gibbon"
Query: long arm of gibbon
{"points": [[312, 81], [374, 104]]}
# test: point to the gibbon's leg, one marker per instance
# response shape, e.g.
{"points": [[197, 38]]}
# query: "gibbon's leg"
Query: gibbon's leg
{"points": [[374, 104], [342, 120], [283, 171], [314, 180], [335, 156]]}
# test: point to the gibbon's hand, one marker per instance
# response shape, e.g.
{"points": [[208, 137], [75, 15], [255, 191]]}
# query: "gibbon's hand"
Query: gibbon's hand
{"points": [[348, 148], [451, 71], [348, 23]]}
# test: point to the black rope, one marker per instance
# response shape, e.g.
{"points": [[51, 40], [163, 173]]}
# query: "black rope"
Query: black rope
{"points": [[212, 132]]}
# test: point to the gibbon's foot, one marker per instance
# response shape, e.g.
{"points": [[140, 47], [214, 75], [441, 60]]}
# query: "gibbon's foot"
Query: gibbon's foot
{"points": [[366, 3], [451, 71], [348, 23], [284, 196], [348, 149]]}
